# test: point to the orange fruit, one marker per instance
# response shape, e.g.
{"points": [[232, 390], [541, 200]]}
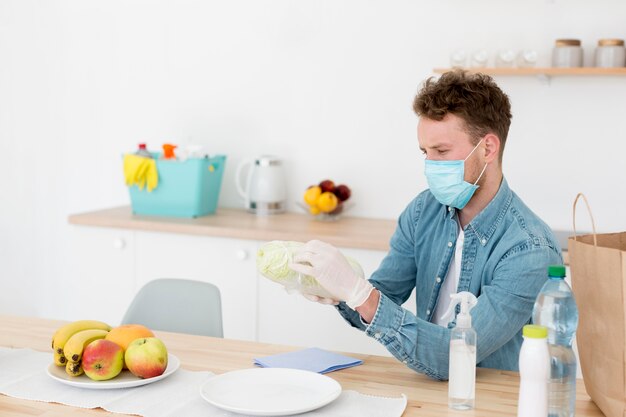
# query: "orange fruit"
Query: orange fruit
{"points": [[327, 202], [126, 333], [314, 210], [312, 194]]}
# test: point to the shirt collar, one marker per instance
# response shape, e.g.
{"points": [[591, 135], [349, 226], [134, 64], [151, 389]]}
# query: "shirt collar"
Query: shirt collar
{"points": [[486, 222]]}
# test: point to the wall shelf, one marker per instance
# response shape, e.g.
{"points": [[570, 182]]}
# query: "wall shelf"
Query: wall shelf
{"points": [[543, 71]]}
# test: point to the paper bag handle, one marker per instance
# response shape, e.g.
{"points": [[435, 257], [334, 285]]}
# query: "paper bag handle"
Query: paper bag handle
{"points": [[593, 223]]}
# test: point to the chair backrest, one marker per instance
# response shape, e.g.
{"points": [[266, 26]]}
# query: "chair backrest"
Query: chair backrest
{"points": [[178, 305]]}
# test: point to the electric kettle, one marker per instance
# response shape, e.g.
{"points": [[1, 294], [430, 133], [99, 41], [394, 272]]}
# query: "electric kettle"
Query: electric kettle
{"points": [[265, 188]]}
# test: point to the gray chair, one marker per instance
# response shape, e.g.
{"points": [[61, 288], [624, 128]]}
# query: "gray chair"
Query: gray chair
{"points": [[178, 305]]}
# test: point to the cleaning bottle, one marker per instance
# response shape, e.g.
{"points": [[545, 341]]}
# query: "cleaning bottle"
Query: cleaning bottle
{"points": [[534, 372], [168, 151], [462, 371], [143, 151]]}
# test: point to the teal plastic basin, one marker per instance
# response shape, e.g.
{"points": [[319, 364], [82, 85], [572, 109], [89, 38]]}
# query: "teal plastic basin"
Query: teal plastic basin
{"points": [[187, 188]]}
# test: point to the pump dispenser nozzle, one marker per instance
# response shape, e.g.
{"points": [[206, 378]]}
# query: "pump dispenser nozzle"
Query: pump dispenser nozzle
{"points": [[467, 301]]}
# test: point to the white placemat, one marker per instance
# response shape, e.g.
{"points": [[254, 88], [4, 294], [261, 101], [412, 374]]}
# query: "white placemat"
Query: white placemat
{"points": [[23, 375]]}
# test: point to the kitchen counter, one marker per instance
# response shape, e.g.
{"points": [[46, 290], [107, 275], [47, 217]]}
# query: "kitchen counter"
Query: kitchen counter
{"points": [[348, 232], [496, 391]]}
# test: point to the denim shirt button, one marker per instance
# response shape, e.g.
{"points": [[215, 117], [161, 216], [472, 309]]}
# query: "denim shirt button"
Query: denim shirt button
{"points": [[484, 242], [376, 335], [427, 312], [438, 280], [449, 208], [450, 244], [405, 361]]}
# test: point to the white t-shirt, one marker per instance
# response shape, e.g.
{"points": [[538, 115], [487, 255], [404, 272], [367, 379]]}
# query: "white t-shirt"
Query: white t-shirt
{"points": [[451, 283]]}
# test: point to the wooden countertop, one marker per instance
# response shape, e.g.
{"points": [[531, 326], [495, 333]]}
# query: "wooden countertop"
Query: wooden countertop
{"points": [[349, 232], [496, 391]]}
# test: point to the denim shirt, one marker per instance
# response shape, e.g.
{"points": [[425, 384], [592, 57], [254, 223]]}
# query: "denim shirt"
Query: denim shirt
{"points": [[506, 253]]}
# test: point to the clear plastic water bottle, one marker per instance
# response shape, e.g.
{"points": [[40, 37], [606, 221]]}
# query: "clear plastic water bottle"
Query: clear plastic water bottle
{"points": [[555, 308]]}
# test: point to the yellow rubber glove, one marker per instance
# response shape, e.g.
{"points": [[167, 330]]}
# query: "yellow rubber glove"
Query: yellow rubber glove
{"points": [[140, 171], [152, 176]]}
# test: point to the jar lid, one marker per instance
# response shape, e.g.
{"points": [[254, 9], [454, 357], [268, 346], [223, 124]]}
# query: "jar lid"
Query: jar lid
{"points": [[611, 42], [567, 42]]}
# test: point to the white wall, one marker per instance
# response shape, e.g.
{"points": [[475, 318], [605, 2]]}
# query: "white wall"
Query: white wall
{"points": [[327, 85]]}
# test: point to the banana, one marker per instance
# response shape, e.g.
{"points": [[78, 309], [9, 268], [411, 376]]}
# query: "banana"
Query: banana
{"points": [[73, 349], [59, 359], [74, 368], [63, 334]]}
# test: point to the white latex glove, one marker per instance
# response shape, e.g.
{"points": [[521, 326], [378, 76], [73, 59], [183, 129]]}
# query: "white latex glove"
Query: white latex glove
{"points": [[321, 300], [314, 298], [330, 268]]}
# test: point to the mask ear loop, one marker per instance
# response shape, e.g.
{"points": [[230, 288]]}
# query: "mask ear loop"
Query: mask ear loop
{"points": [[481, 173], [484, 168], [470, 154]]}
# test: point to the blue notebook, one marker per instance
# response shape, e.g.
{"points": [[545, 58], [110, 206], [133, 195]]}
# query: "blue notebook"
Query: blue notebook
{"points": [[312, 359]]}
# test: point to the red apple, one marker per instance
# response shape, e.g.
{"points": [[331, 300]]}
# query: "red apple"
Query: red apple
{"points": [[102, 360], [342, 192], [327, 185], [146, 357]]}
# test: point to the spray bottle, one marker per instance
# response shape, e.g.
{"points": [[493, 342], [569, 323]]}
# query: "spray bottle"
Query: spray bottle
{"points": [[462, 374]]}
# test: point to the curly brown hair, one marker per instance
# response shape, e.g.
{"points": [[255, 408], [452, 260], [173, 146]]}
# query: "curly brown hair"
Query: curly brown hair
{"points": [[473, 97]]}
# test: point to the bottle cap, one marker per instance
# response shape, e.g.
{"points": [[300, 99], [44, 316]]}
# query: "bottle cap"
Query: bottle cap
{"points": [[556, 271], [142, 146], [534, 331]]}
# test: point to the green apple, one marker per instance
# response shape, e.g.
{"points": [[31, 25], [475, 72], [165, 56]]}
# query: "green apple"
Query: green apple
{"points": [[146, 357], [102, 360]]}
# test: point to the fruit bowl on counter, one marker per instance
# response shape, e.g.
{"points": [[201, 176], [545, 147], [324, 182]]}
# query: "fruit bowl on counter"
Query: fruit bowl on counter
{"points": [[326, 201]]}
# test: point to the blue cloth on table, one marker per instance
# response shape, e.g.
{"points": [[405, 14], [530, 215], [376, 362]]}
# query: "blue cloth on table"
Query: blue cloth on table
{"points": [[312, 359]]}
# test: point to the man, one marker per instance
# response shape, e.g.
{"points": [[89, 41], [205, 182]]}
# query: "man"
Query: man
{"points": [[467, 232]]}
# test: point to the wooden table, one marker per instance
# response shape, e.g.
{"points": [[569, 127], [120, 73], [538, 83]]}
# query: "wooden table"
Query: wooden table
{"points": [[496, 391]]}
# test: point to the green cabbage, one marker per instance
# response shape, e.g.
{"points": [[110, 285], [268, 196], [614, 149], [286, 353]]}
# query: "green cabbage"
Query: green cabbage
{"points": [[272, 261]]}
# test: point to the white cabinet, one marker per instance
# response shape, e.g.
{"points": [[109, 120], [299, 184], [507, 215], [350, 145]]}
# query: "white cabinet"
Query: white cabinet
{"points": [[109, 266], [227, 263], [293, 320], [100, 281]]}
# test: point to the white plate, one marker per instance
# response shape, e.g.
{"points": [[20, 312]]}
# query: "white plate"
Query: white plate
{"points": [[270, 391], [124, 380]]}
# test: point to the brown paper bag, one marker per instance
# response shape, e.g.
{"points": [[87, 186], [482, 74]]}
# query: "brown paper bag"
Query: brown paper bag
{"points": [[598, 269]]}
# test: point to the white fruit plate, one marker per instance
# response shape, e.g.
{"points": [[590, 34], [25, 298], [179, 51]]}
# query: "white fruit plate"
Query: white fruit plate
{"points": [[124, 380]]}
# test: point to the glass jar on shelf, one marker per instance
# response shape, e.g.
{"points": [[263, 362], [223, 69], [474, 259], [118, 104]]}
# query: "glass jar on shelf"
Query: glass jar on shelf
{"points": [[567, 53], [505, 58], [610, 53], [458, 58], [479, 58], [527, 58]]}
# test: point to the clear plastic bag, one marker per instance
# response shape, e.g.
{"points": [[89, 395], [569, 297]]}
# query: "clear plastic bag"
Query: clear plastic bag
{"points": [[272, 261]]}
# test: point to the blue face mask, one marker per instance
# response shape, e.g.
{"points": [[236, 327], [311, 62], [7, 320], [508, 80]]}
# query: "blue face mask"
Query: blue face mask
{"points": [[446, 180]]}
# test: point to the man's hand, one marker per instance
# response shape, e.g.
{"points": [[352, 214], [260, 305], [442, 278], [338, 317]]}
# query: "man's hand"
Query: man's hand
{"points": [[330, 268]]}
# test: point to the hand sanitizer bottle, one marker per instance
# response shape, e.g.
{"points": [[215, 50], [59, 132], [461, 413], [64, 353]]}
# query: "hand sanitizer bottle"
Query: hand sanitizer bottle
{"points": [[462, 373]]}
